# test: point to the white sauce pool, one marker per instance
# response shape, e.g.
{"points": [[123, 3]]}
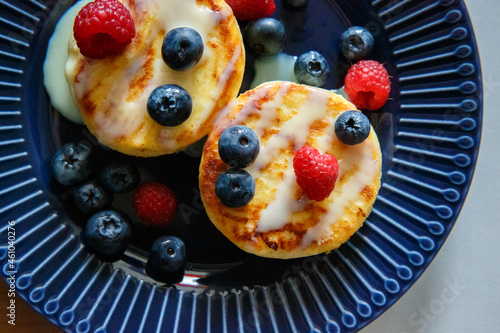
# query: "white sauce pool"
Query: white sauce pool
{"points": [[55, 62]]}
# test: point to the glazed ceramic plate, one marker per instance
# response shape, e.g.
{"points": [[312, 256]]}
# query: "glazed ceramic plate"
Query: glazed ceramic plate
{"points": [[429, 133]]}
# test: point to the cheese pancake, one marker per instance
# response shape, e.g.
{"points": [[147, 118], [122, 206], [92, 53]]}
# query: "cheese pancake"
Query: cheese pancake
{"points": [[280, 221], [111, 94]]}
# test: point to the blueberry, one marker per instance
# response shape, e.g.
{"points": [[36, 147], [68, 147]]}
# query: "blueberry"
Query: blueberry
{"points": [[296, 3], [108, 232], [265, 36], [91, 197], [356, 43], [311, 68], [182, 48], [71, 163], [120, 177], [169, 105], [235, 188], [168, 254], [238, 146], [352, 127]]}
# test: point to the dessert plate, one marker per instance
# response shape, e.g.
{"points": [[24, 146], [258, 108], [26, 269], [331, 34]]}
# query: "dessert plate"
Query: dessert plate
{"points": [[429, 133]]}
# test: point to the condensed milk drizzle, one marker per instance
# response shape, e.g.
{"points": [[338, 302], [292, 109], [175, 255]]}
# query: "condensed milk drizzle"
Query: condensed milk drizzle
{"points": [[223, 79], [278, 213], [296, 129], [249, 107], [268, 110]]}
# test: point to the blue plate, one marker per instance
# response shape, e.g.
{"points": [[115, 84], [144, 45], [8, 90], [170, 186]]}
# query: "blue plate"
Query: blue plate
{"points": [[429, 132]]}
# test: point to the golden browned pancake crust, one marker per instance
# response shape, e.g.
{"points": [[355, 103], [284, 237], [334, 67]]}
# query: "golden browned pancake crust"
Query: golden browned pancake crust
{"points": [[111, 94], [280, 221]]}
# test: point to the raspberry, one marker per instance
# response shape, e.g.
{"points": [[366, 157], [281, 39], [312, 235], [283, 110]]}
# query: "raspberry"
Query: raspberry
{"points": [[316, 173], [247, 10], [154, 203], [367, 85], [103, 28]]}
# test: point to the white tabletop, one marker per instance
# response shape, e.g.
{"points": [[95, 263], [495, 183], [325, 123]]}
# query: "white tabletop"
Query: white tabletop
{"points": [[460, 291]]}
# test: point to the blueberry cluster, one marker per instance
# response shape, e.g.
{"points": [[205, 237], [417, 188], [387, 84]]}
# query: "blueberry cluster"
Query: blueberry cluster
{"points": [[238, 147], [169, 104], [107, 231]]}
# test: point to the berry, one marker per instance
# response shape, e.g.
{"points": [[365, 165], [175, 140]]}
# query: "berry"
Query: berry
{"points": [[91, 197], [154, 203], [108, 232], [311, 68], [71, 163], [265, 36], [367, 85], [356, 43], [182, 48], [103, 28], [169, 105], [120, 178], [316, 173], [238, 146], [352, 127], [235, 188], [168, 254], [247, 10]]}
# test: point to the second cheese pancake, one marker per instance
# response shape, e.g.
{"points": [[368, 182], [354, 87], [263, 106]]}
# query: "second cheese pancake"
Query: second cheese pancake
{"points": [[280, 221]]}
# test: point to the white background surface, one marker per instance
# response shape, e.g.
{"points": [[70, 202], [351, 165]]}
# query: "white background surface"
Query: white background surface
{"points": [[460, 291]]}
